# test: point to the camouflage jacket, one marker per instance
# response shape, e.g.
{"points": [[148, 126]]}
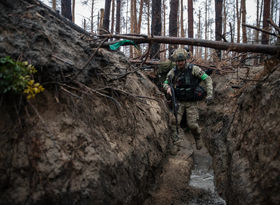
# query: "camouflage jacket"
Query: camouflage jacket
{"points": [[196, 71]]}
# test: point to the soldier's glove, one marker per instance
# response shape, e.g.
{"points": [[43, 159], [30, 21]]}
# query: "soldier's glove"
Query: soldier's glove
{"points": [[209, 100]]}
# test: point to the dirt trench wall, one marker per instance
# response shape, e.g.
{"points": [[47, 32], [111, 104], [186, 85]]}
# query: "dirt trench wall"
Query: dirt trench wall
{"points": [[243, 137], [99, 144]]}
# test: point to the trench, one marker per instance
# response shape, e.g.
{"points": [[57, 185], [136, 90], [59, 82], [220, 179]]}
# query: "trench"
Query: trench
{"points": [[202, 181], [187, 177]]}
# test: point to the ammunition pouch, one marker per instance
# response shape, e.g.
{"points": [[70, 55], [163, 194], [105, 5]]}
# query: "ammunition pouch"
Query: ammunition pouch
{"points": [[190, 94]]}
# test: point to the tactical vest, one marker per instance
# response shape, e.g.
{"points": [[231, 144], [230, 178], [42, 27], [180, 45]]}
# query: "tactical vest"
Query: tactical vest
{"points": [[187, 86]]}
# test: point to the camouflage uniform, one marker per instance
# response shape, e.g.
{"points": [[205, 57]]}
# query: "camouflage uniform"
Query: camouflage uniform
{"points": [[190, 107]]}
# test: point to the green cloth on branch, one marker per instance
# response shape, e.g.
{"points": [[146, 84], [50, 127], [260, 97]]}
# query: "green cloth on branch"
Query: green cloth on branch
{"points": [[122, 42]]}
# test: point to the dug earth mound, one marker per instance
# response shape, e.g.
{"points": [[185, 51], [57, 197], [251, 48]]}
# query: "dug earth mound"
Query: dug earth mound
{"points": [[243, 138], [98, 132]]}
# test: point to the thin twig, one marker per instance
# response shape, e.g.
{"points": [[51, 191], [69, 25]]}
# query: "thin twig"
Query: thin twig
{"points": [[67, 91], [259, 29], [146, 57]]}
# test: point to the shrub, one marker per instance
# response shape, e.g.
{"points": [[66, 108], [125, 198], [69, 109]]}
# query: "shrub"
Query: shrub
{"points": [[17, 77]]}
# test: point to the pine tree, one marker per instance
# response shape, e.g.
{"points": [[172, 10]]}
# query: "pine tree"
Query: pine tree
{"points": [[190, 21], [106, 20], [113, 16], [218, 23], [54, 4], [156, 27], [66, 9], [266, 15], [243, 13], [73, 10], [118, 16], [173, 29]]}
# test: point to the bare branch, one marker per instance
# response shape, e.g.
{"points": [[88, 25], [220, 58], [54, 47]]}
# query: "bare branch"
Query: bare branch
{"points": [[259, 29]]}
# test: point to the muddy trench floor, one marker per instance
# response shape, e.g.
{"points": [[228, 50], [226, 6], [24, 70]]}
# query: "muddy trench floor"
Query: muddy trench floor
{"points": [[187, 177]]}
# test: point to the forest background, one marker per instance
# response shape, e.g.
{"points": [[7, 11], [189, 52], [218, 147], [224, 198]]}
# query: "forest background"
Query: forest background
{"points": [[136, 17]]}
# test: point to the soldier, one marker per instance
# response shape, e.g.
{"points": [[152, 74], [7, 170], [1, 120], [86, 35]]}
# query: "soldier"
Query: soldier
{"points": [[186, 78]]}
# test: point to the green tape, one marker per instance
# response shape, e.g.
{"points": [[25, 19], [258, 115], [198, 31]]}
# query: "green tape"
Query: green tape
{"points": [[204, 76], [165, 82], [115, 46]]}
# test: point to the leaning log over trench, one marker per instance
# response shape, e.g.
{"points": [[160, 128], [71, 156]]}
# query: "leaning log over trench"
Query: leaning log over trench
{"points": [[237, 47]]}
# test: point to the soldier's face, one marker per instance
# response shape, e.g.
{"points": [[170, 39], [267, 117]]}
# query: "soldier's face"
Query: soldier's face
{"points": [[180, 64]]}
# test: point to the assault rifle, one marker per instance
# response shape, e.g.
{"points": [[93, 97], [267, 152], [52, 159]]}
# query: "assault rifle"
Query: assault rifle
{"points": [[174, 104]]}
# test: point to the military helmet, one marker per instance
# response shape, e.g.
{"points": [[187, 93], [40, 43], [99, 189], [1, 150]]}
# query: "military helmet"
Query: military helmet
{"points": [[180, 54]]}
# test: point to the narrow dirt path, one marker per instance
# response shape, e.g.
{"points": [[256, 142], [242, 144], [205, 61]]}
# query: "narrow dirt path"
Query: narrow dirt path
{"points": [[201, 182], [186, 177]]}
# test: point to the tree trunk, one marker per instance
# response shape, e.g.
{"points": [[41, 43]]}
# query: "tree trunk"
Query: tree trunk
{"points": [[66, 9], [231, 33], [106, 20], [73, 11], [156, 27], [101, 19], [206, 27], [199, 33], [243, 12], [258, 21], [133, 22], [118, 17], [91, 16], [272, 9], [140, 17], [173, 30], [266, 15], [113, 16], [261, 13], [163, 47], [225, 19], [134, 16], [258, 26], [278, 39], [128, 49], [126, 19], [148, 20], [238, 22], [225, 24], [182, 19], [190, 21], [54, 5], [85, 24], [218, 23]]}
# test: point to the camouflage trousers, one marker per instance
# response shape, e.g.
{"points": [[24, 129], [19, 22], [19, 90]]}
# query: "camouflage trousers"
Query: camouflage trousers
{"points": [[192, 116]]}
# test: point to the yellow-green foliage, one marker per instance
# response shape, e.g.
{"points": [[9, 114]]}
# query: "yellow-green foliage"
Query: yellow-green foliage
{"points": [[17, 77]]}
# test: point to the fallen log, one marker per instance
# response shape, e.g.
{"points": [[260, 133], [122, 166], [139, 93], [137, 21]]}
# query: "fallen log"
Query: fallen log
{"points": [[237, 47]]}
